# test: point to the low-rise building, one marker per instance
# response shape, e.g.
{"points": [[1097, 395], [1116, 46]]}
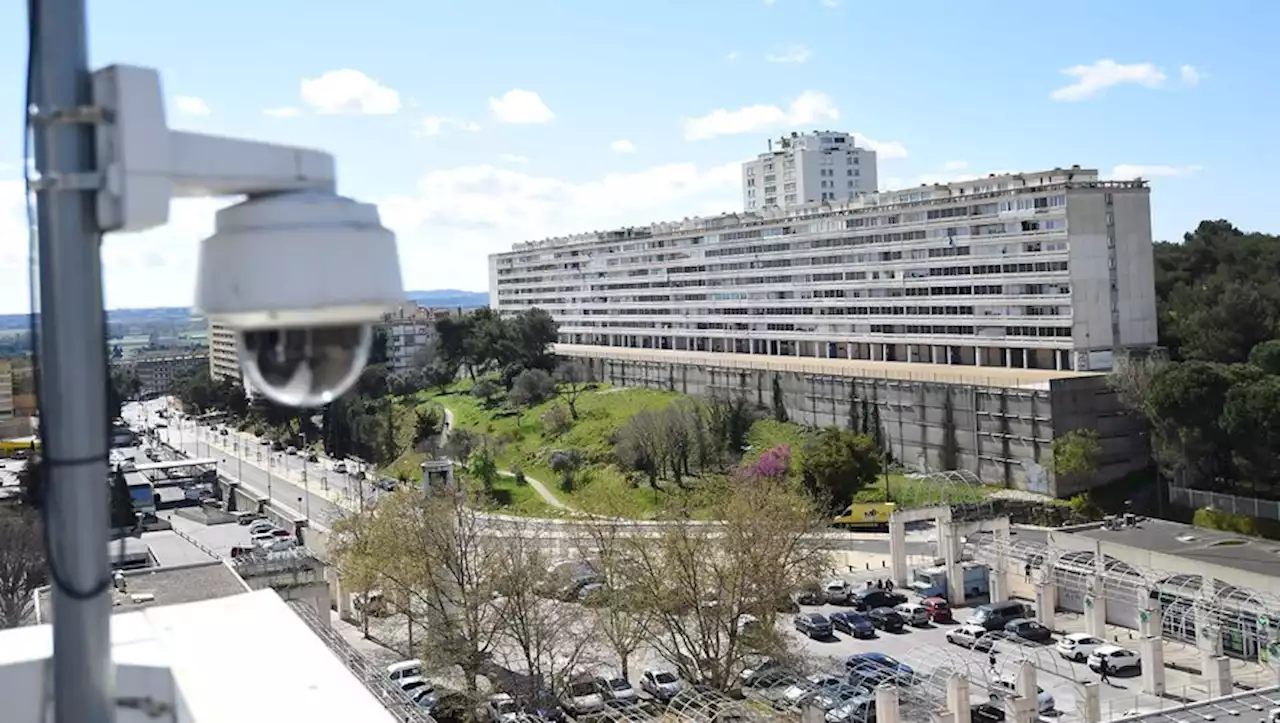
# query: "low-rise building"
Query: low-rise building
{"points": [[157, 371], [409, 329]]}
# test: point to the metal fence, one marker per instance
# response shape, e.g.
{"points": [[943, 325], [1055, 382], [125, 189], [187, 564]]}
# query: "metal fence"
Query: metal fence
{"points": [[373, 678], [1248, 506]]}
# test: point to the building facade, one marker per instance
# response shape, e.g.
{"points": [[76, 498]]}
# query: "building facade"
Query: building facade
{"points": [[804, 168], [409, 330], [1047, 270], [223, 360], [157, 371]]}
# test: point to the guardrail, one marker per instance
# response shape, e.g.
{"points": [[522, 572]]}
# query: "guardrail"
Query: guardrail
{"points": [[1248, 506], [373, 678]]}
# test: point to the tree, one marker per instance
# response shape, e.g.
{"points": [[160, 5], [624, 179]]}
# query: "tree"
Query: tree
{"points": [[439, 550], [565, 462], [573, 379], [698, 579], [123, 515], [1266, 356], [774, 463], [530, 388], [22, 565], [1251, 421], [729, 421], [1132, 376], [1076, 454], [551, 639], [640, 445], [533, 332], [486, 390], [837, 463], [624, 622], [482, 466], [779, 402], [1185, 439]]}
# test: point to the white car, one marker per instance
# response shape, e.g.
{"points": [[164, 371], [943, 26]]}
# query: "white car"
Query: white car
{"points": [[914, 613], [1004, 688], [1117, 658], [966, 636], [801, 690], [836, 591], [1078, 646]]}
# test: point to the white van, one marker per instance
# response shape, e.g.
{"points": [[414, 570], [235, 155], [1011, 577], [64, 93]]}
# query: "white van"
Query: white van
{"points": [[404, 669]]}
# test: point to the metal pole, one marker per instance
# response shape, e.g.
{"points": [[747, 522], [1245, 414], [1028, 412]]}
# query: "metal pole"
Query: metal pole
{"points": [[73, 369]]}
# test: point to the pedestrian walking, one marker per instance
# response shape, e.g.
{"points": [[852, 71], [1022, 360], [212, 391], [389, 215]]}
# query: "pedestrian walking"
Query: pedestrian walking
{"points": [[1026, 571], [1103, 672], [991, 660]]}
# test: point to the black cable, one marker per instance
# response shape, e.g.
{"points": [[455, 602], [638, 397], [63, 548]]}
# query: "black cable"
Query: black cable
{"points": [[33, 281]]}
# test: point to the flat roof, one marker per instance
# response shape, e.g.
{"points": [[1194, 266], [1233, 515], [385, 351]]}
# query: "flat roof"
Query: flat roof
{"points": [[1002, 377], [1250, 554], [204, 645], [208, 580], [175, 464], [169, 549]]}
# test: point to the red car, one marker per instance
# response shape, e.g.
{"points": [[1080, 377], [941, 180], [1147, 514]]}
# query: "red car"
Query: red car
{"points": [[939, 610]]}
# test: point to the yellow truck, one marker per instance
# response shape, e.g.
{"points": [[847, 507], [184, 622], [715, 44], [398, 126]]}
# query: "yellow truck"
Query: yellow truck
{"points": [[866, 516]]}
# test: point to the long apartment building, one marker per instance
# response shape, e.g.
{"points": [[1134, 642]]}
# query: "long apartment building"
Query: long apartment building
{"points": [[1045, 270]]}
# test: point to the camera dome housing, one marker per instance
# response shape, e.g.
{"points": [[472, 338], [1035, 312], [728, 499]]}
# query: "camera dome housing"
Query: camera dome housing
{"points": [[301, 278]]}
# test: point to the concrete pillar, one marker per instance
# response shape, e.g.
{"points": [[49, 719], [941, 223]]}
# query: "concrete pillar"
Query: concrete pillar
{"points": [[949, 540], [1217, 673], [958, 699], [998, 576], [1151, 653], [1047, 604], [887, 704], [343, 595], [898, 551], [1091, 702], [1008, 357], [1024, 707], [1095, 609], [933, 354], [1150, 621]]}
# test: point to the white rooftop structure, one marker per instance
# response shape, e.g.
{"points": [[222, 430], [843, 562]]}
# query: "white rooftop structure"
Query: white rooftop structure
{"points": [[202, 662]]}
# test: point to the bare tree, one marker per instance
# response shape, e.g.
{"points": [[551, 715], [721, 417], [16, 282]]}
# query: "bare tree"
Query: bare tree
{"points": [[624, 621], [548, 636], [641, 445], [22, 566], [1132, 376], [704, 579], [573, 379], [436, 548]]}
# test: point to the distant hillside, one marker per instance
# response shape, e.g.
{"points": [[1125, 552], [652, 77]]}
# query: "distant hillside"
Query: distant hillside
{"points": [[450, 298]]}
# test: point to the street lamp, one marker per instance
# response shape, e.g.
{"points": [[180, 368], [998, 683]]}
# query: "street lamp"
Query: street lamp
{"points": [[107, 161]]}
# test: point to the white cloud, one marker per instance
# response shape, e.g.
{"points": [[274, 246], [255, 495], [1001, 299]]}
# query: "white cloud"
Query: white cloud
{"points": [[885, 150], [191, 105], [1190, 75], [348, 91], [434, 125], [732, 56], [1128, 172], [808, 108], [458, 216], [1091, 80], [792, 54], [520, 106], [622, 147], [282, 112], [513, 159]]}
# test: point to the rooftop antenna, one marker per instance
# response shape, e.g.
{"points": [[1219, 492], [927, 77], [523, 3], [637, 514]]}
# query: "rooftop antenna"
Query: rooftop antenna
{"points": [[771, 145]]}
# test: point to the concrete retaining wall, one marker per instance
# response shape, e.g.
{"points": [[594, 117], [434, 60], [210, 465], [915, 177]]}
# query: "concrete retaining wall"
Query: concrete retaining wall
{"points": [[1004, 435]]}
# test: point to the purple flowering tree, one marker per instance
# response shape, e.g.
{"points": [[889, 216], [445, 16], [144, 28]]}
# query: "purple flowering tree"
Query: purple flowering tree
{"points": [[773, 464]]}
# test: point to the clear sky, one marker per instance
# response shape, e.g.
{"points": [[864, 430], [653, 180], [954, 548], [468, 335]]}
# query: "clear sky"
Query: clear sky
{"points": [[479, 124]]}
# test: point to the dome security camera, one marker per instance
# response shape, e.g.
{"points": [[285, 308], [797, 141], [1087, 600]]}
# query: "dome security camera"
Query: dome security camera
{"points": [[301, 278]]}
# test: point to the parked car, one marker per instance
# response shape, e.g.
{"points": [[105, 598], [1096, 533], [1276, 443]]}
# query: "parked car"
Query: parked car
{"points": [[247, 517], [852, 623], [809, 597], [914, 613], [836, 591], [814, 625], [994, 616], [766, 673], [501, 708], [1002, 688], [312, 457], [879, 660], [966, 636], [887, 619], [582, 697], [1029, 630], [404, 669], [260, 525], [661, 684], [544, 706], [1078, 646], [858, 709], [829, 698], [618, 690], [1118, 659], [939, 609], [872, 598], [340, 468], [291, 451], [805, 688]]}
